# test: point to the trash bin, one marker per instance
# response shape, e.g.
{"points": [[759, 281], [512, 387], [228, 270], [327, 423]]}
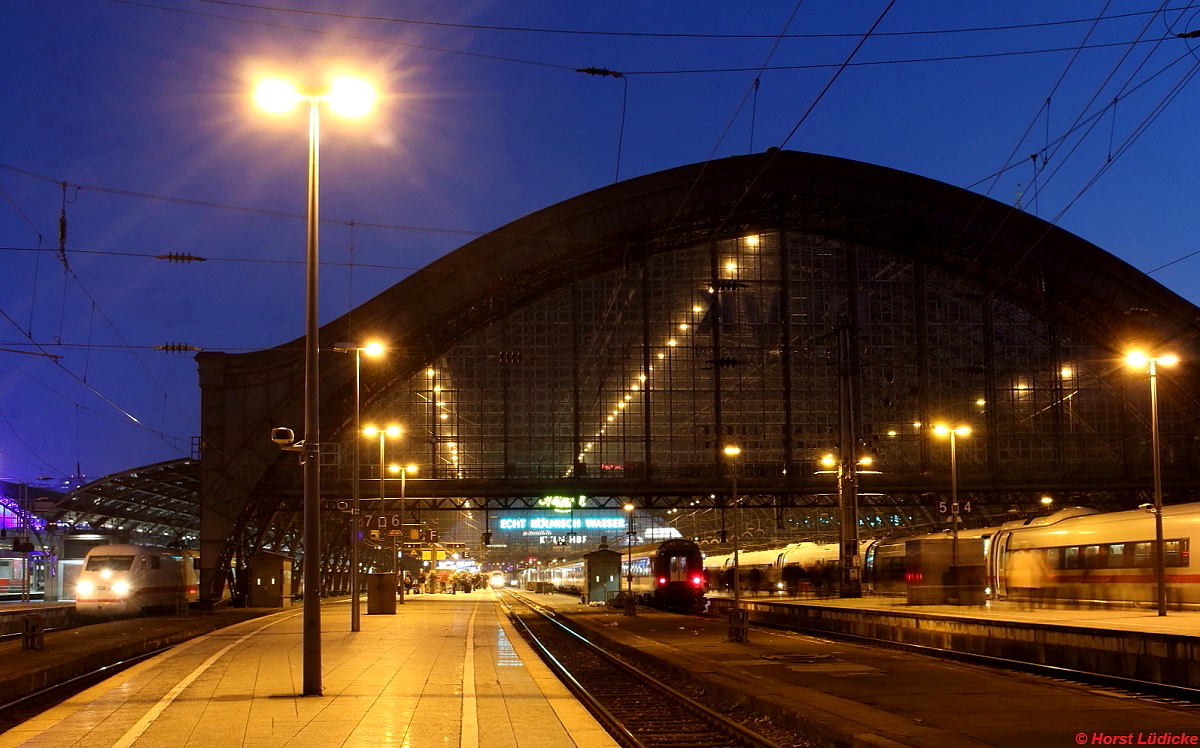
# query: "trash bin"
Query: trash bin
{"points": [[381, 594]]}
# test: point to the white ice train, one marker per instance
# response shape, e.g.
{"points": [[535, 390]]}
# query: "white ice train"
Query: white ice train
{"points": [[125, 580], [792, 569], [1080, 555]]}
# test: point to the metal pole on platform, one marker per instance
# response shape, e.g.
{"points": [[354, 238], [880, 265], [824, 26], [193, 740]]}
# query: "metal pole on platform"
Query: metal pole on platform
{"points": [[737, 620], [630, 601], [371, 349], [1141, 360], [351, 98]]}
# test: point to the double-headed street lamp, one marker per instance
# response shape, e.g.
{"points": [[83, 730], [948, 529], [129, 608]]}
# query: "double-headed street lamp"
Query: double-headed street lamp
{"points": [[1141, 361], [953, 432], [370, 349], [847, 470], [737, 622], [404, 471], [351, 98]]}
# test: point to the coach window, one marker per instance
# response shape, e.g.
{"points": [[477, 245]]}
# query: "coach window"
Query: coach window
{"points": [[1071, 557], [1176, 552], [1143, 555], [1054, 558], [155, 562], [1116, 556]]}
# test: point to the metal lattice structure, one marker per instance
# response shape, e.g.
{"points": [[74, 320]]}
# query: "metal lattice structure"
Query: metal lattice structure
{"points": [[795, 305]]}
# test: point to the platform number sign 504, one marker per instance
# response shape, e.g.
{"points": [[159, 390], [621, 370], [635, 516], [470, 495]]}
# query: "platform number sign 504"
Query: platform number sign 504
{"points": [[949, 507]]}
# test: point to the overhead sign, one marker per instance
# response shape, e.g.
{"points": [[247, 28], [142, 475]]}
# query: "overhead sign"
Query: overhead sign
{"points": [[547, 524], [561, 503], [383, 521]]}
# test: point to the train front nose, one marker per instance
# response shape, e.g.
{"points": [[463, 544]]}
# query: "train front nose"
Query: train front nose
{"points": [[103, 597]]}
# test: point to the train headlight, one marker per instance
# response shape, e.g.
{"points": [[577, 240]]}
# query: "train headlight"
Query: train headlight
{"points": [[85, 588], [121, 587]]}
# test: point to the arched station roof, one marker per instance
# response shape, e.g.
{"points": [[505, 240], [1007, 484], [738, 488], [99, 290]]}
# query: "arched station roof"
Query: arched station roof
{"points": [[1005, 256]]}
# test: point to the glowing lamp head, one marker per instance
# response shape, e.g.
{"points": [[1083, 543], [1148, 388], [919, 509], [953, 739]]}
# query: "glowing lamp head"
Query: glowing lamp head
{"points": [[350, 97], [374, 348], [942, 429], [276, 96], [1140, 359]]}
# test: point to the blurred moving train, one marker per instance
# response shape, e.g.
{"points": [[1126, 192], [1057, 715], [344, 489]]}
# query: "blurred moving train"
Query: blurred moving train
{"points": [[1076, 555], [667, 575], [125, 580]]}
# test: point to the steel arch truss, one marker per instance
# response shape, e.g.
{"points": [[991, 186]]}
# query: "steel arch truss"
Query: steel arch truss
{"points": [[796, 305]]}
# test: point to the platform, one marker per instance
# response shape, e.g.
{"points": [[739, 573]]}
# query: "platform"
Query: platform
{"points": [[1131, 643], [446, 670], [844, 694], [1056, 613]]}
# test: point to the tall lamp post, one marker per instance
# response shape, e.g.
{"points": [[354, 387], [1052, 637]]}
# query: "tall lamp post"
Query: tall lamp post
{"points": [[1139, 360], [404, 471], [847, 470], [630, 602], [351, 98], [737, 621], [953, 432], [371, 349]]}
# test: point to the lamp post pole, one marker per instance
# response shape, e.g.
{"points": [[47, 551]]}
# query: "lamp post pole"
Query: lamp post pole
{"points": [[311, 570], [737, 622], [954, 505], [382, 487], [1160, 561], [1140, 360], [355, 623], [953, 432], [351, 98], [371, 349], [630, 602]]}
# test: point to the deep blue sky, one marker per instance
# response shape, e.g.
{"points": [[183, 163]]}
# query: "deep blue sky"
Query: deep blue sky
{"points": [[142, 110]]}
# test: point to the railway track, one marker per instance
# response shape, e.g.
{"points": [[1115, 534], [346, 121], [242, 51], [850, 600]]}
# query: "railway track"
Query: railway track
{"points": [[27, 707], [636, 708]]}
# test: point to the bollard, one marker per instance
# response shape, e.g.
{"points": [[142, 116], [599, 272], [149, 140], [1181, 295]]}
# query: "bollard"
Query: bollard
{"points": [[32, 636], [739, 624]]}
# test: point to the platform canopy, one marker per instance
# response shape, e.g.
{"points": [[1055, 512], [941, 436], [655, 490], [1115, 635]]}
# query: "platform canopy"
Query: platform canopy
{"points": [[153, 505]]}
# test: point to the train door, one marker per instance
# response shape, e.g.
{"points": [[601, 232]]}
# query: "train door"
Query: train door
{"points": [[996, 563], [868, 572]]}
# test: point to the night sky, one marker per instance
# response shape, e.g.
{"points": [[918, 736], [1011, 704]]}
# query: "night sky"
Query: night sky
{"points": [[130, 125]]}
